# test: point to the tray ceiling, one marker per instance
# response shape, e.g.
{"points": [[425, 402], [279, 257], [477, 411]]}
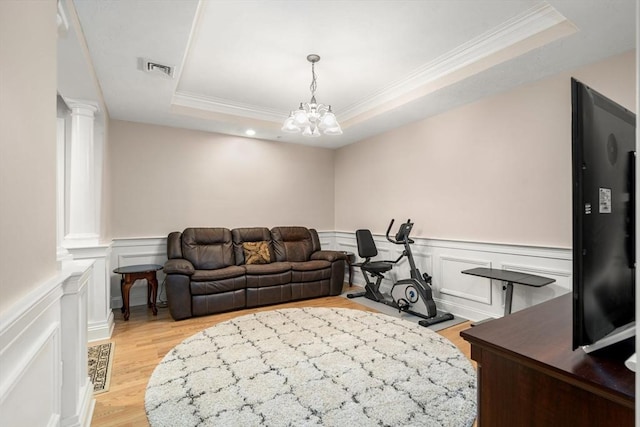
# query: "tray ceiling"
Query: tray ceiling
{"points": [[242, 64]]}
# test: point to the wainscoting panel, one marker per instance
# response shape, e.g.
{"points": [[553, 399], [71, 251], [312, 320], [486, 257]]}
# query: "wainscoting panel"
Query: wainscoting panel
{"points": [[463, 286], [30, 359], [100, 316], [151, 250], [467, 296], [42, 342]]}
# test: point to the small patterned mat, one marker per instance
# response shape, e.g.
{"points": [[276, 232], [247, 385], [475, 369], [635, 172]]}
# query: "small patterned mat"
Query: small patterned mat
{"points": [[100, 360]]}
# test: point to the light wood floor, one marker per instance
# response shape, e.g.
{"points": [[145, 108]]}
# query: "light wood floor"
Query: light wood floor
{"points": [[144, 340]]}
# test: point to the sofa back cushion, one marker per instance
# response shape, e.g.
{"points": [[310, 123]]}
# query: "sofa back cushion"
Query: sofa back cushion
{"points": [[292, 243], [208, 248], [241, 236]]}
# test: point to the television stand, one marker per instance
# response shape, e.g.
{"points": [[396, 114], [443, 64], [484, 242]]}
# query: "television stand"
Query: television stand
{"points": [[529, 375]]}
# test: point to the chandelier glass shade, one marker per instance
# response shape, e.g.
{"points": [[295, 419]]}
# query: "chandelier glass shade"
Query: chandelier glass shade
{"points": [[311, 118]]}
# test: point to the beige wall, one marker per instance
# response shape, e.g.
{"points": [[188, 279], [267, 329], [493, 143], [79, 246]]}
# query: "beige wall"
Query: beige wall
{"points": [[164, 179], [498, 170], [27, 147]]}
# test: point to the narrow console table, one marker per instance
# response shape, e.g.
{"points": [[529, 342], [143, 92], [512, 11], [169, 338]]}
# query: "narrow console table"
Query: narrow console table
{"points": [[510, 277], [132, 273], [529, 375]]}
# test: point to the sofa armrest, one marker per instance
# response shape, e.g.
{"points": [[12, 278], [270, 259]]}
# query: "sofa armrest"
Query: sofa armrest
{"points": [[338, 260], [330, 256], [179, 296], [178, 266]]}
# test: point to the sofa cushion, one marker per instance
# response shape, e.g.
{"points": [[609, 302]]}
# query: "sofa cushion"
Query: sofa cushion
{"points": [[266, 275], [213, 287], [310, 265], [310, 271], [256, 252], [292, 243], [272, 268], [208, 248], [217, 274]]}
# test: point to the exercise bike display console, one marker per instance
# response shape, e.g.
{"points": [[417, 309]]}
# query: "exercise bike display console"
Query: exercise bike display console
{"points": [[412, 295]]}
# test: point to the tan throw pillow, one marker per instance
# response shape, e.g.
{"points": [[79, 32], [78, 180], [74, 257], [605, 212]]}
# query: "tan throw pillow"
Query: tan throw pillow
{"points": [[256, 253]]}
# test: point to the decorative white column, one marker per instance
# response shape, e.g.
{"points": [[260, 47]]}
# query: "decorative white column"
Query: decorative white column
{"points": [[62, 254], [83, 209]]}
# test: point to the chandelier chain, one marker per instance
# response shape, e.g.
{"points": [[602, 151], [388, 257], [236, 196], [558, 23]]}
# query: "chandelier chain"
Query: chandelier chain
{"points": [[313, 86]]}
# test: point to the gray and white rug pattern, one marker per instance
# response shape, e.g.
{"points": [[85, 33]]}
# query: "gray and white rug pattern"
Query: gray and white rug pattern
{"points": [[313, 367]]}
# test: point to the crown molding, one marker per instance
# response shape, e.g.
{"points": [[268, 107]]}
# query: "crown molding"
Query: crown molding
{"points": [[225, 106], [496, 42], [534, 21]]}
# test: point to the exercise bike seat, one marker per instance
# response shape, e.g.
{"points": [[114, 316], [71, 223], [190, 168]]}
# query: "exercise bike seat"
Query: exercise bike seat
{"points": [[367, 250], [376, 266]]}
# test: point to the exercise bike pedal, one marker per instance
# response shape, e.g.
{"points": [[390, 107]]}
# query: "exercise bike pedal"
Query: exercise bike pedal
{"points": [[403, 305], [438, 318]]}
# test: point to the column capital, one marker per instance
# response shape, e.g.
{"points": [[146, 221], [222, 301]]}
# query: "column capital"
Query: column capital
{"points": [[82, 107]]}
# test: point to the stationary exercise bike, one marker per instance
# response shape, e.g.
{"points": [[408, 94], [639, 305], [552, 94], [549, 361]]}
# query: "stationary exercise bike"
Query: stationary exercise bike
{"points": [[411, 295]]}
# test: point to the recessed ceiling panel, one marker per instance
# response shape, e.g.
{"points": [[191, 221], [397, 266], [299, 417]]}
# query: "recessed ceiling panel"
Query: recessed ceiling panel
{"points": [[254, 52]]}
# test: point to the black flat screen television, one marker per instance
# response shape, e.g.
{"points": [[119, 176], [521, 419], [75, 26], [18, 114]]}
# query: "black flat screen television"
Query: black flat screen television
{"points": [[603, 157]]}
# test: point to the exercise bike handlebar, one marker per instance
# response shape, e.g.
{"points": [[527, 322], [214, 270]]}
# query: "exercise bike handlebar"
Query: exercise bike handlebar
{"points": [[405, 228], [389, 229]]}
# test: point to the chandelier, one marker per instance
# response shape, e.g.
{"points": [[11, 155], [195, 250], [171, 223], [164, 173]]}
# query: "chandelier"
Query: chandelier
{"points": [[311, 118]]}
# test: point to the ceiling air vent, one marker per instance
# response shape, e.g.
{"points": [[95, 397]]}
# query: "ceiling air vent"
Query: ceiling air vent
{"points": [[156, 68]]}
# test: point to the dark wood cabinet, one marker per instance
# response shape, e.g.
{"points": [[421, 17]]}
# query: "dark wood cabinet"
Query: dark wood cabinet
{"points": [[528, 375]]}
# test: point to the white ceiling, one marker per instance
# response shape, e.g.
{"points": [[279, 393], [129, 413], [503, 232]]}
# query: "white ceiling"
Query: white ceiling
{"points": [[242, 64]]}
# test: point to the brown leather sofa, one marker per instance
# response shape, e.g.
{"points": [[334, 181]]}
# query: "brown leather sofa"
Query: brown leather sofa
{"points": [[212, 270]]}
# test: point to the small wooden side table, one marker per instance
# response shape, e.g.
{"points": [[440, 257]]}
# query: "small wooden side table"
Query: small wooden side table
{"points": [[130, 274], [351, 257]]}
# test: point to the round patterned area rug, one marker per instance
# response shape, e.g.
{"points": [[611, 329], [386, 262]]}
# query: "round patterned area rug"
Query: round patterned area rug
{"points": [[313, 367]]}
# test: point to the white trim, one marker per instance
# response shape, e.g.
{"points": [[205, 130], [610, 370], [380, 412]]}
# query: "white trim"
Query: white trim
{"points": [[31, 355], [453, 292], [27, 359], [532, 22], [135, 250], [227, 106], [449, 293], [100, 316], [470, 263], [19, 316], [43, 352]]}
